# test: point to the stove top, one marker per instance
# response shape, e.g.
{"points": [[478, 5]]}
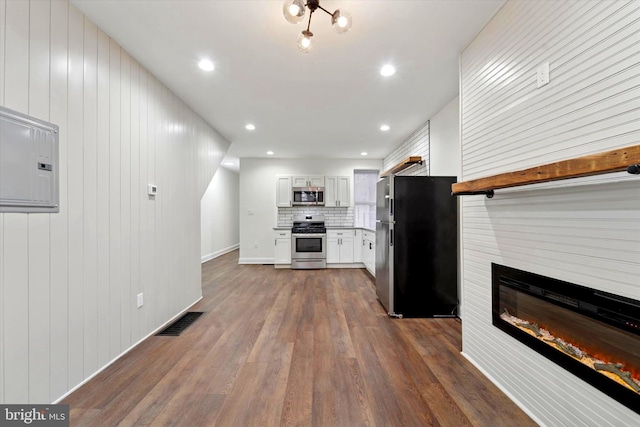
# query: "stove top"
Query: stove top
{"points": [[308, 224], [308, 230]]}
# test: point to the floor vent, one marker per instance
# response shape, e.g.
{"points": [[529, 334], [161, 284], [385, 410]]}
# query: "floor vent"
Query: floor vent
{"points": [[177, 327]]}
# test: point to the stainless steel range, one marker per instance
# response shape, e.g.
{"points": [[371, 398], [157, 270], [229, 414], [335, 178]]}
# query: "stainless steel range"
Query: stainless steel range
{"points": [[308, 242]]}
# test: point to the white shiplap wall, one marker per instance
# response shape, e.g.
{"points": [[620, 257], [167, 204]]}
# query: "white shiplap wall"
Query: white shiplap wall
{"points": [[585, 231], [417, 144], [68, 281]]}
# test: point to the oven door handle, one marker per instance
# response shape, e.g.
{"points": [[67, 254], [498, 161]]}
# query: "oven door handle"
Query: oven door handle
{"points": [[308, 235]]}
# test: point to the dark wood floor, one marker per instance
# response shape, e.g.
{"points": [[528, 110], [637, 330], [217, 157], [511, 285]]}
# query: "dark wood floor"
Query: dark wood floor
{"points": [[303, 348]]}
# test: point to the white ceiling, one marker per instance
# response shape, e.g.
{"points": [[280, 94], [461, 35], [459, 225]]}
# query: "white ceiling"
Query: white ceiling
{"points": [[328, 103]]}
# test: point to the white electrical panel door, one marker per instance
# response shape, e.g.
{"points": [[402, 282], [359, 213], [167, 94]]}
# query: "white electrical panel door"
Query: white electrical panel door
{"points": [[28, 164]]}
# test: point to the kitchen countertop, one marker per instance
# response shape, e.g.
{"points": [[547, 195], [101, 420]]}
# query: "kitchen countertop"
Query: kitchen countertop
{"points": [[332, 228], [349, 228]]}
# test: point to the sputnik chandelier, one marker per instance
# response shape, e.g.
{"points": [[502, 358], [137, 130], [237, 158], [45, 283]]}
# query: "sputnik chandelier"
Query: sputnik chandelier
{"points": [[294, 11]]}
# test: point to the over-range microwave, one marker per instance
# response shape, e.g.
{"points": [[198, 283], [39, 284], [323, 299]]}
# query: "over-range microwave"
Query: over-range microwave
{"points": [[308, 196]]}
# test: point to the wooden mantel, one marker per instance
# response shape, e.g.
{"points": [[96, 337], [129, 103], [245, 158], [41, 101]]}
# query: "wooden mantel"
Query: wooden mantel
{"points": [[409, 161], [594, 164]]}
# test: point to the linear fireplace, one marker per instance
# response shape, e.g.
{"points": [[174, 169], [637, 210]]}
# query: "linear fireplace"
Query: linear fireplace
{"points": [[593, 334]]}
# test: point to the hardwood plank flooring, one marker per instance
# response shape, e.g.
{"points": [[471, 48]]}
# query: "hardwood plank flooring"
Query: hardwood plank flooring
{"points": [[295, 348]]}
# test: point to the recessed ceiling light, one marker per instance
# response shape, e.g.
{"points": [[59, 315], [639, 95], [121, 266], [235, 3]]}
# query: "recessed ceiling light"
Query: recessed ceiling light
{"points": [[269, 153], [384, 128], [250, 127], [206, 65], [364, 153], [388, 70], [229, 163]]}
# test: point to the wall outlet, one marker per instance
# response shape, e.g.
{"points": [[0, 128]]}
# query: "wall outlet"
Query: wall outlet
{"points": [[140, 300], [152, 189], [542, 74]]}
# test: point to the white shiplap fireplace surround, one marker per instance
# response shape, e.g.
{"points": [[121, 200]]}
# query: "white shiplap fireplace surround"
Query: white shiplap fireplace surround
{"points": [[585, 231]]}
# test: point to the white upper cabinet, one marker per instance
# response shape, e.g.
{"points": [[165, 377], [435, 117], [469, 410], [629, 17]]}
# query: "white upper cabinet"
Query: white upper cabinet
{"points": [[308, 181], [283, 191], [337, 191]]}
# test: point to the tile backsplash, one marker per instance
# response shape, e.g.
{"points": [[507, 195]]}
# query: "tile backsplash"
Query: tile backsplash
{"points": [[334, 217]]}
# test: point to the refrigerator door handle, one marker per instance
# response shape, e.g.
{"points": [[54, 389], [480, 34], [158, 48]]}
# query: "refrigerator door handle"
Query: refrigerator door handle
{"points": [[390, 208], [390, 237]]}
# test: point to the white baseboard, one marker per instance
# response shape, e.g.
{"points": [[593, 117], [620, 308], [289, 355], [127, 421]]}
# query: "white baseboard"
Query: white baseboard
{"points": [[155, 331], [502, 389], [255, 261], [353, 265], [216, 254]]}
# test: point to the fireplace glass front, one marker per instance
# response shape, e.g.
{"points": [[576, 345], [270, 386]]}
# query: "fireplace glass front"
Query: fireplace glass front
{"points": [[593, 334]]}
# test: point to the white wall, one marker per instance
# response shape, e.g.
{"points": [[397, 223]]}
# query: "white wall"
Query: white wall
{"points": [[68, 281], [585, 231], [219, 219], [444, 129], [258, 194]]}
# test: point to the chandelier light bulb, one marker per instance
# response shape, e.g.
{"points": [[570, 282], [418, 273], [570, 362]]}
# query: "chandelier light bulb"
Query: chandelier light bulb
{"points": [[293, 10], [304, 41], [341, 21]]}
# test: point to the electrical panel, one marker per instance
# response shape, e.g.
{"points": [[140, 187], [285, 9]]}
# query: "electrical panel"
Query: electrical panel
{"points": [[28, 164]]}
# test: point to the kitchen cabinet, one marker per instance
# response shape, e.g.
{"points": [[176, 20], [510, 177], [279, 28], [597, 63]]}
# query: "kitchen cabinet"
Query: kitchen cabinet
{"points": [[357, 246], [337, 191], [283, 191], [308, 181], [369, 251], [282, 241], [340, 246]]}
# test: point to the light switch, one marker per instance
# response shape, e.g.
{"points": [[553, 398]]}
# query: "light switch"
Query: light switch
{"points": [[153, 190]]}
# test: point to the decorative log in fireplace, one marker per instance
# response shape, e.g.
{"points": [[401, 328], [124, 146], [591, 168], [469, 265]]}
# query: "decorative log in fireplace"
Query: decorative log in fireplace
{"points": [[591, 333]]}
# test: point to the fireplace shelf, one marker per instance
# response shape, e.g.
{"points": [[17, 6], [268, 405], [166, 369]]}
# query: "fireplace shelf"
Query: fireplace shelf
{"points": [[627, 158]]}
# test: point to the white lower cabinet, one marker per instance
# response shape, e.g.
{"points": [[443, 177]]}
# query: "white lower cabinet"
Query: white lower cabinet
{"points": [[340, 246], [369, 251], [282, 241], [357, 246]]}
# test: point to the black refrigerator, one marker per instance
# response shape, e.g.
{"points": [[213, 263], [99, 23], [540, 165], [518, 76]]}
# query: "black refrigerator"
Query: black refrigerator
{"points": [[417, 246]]}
